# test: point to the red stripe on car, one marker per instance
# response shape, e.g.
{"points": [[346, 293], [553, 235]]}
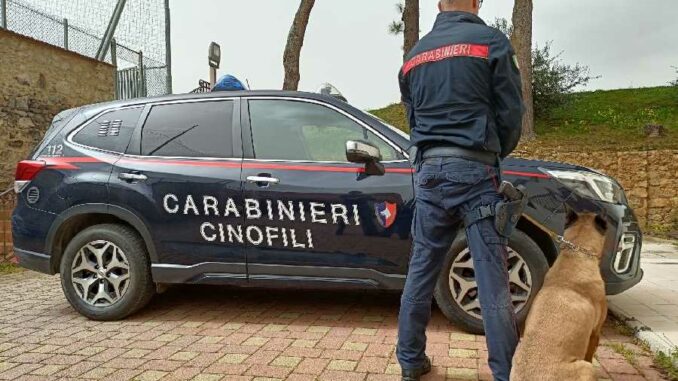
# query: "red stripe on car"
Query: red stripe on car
{"points": [[526, 174], [68, 163], [445, 52], [324, 168]]}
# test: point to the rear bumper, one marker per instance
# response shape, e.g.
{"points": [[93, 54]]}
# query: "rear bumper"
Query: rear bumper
{"points": [[30, 227], [34, 261]]}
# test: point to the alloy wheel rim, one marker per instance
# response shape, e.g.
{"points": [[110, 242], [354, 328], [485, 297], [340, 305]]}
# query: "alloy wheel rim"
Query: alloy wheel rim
{"points": [[100, 273], [464, 288]]}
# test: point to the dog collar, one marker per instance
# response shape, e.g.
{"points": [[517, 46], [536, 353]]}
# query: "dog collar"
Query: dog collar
{"points": [[574, 247]]}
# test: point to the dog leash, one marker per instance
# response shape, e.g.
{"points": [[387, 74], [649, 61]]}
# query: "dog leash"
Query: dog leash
{"points": [[561, 239]]}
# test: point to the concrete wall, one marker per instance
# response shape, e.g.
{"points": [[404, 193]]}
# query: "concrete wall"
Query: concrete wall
{"points": [[37, 81], [650, 179]]}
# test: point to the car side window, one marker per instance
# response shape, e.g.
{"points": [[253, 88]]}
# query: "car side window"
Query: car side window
{"points": [[295, 130], [111, 131], [193, 129]]}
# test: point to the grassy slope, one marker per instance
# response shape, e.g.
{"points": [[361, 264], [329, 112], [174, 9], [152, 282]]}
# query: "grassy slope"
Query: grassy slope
{"points": [[597, 120]]}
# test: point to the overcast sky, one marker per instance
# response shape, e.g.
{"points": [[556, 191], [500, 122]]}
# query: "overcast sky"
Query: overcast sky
{"points": [[630, 43]]}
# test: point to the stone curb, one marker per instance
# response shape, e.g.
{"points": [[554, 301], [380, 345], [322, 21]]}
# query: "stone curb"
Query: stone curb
{"points": [[656, 341]]}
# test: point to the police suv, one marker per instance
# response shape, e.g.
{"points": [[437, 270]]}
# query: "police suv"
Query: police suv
{"points": [[267, 189]]}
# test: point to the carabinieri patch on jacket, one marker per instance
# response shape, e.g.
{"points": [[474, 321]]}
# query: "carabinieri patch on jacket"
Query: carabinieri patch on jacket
{"points": [[444, 52]]}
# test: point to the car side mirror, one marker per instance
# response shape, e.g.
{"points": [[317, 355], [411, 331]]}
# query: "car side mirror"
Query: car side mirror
{"points": [[359, 151]]}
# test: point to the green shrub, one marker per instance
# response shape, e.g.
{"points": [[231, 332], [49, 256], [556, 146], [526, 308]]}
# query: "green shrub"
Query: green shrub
{"points": [[553, 80]]}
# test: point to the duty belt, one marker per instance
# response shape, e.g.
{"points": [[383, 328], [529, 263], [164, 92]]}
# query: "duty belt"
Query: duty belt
{"points": [[484, 157]]}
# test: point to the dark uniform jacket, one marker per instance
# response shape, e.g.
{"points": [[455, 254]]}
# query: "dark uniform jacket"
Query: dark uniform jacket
{"points": [[461, 87]]}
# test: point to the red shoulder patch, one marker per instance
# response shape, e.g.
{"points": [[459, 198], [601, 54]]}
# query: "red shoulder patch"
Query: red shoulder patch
{"points": [[449, 51]]}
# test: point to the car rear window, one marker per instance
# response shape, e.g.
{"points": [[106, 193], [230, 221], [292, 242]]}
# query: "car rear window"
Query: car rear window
{"points": [[110, 131], [195, 129]]}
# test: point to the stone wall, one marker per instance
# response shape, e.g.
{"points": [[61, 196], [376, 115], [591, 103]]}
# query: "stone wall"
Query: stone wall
{"points": [[7, 203], [37, 81], [650, 179]]}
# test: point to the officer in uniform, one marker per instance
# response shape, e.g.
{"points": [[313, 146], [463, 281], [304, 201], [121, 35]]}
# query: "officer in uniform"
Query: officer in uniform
{"points": [[462, 91]]}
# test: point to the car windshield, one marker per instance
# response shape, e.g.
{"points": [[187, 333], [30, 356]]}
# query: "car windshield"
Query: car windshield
{"points": [[393, 128]]}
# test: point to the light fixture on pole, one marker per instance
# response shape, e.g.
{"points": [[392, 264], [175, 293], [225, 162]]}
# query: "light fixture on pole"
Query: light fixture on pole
{"points": [[214, 60]]}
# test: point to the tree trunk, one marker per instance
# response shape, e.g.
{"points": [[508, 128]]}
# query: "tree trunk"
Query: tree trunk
{"points": [[522, 43], [295, 40], [411, 23]]}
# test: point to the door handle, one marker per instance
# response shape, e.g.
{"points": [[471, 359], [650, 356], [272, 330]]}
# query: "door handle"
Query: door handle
{"points": [[131, 177], [262, 180]]}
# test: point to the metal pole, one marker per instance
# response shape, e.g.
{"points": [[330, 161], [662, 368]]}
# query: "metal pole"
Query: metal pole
{"points": [[168, 48], [3, 14], [213, 77], [114, 61], [65, 33], [110, 30], [142, 75]]}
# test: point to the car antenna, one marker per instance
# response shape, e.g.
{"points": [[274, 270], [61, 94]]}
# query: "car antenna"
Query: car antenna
{"points": [[248, 84]]}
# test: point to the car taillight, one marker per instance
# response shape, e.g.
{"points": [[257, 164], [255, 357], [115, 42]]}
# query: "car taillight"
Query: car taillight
{"points": [[26, 171]]}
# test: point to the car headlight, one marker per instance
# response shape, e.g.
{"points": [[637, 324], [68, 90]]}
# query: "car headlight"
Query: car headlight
{"points": [[589, 184]]}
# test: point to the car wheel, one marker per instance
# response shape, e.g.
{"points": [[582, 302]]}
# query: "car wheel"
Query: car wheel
{"points": [[457, 292], [105, 272]]}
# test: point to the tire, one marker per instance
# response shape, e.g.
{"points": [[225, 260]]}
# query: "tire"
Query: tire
{"points": [[113, 294], [531, 274]]}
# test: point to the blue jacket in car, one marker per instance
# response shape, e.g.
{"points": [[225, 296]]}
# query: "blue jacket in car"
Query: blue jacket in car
{"points": [[461, 87]]}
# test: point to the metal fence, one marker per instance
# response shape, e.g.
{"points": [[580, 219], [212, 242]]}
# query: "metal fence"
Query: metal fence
{"points": [[19, 17], [203, 87], [131, 83]]}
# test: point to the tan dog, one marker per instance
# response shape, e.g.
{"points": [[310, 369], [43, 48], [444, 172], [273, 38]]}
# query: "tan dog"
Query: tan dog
{"points": [[563, 327]]}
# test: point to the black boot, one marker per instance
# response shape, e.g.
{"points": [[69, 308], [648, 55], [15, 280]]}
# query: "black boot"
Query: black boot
{"points": [[415, 374]]}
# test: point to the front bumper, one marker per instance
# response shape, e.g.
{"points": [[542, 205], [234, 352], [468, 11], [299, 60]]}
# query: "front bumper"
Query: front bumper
{"points": [[621, 286], [621, 266], [34, 261]]}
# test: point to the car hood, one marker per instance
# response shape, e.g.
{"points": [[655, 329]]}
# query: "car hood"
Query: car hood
{"points": [[514, 162]]}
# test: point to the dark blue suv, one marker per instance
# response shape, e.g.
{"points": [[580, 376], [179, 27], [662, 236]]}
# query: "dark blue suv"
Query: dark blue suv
{"points": [[267, 189]]}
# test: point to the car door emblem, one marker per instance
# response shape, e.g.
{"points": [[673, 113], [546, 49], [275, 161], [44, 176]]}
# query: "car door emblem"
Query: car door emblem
{"points": [[386, 213]]}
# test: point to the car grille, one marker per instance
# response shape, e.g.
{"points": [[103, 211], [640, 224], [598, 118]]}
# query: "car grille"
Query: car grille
{"points": [[624, 255]]}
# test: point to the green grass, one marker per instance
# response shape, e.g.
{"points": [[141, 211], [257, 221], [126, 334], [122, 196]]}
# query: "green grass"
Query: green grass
{"points": [[663, 362], [622, 327], [599, 120], [9, 268], [628, 354], [668, 364]]}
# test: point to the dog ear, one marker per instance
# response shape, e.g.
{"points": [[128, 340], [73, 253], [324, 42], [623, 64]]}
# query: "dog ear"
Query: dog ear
{"points": [[570, 218], [601, 224]]}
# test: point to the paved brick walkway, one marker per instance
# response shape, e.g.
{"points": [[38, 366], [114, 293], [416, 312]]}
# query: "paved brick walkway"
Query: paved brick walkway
{"points": [[215, 333]]}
